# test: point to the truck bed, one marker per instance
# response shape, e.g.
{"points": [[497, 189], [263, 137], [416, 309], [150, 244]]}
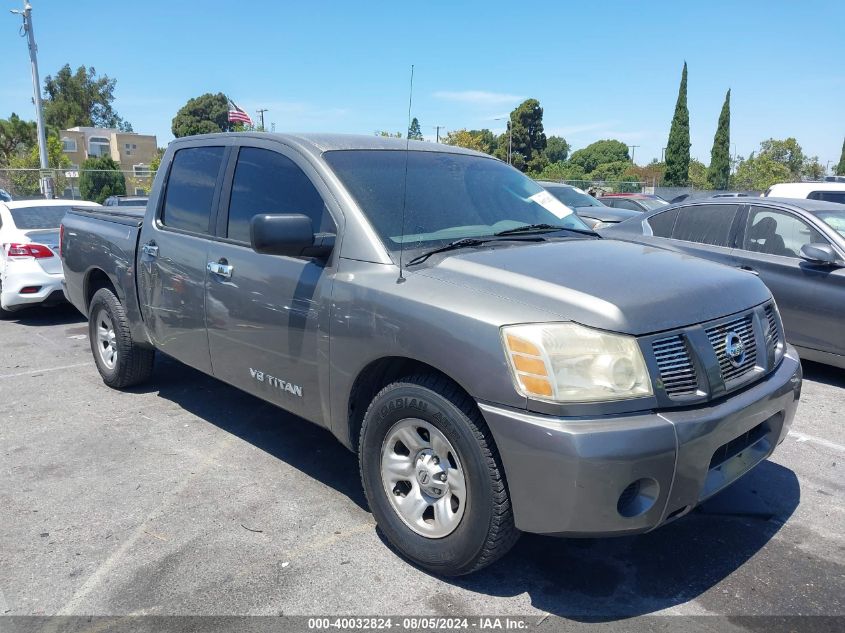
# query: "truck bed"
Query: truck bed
{"points": [[130, 216]]}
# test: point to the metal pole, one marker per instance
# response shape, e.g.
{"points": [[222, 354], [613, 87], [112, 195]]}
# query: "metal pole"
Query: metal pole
{"points": [[633, 149], [510, 142], [662, 154], [261, 114], [46, 180]]}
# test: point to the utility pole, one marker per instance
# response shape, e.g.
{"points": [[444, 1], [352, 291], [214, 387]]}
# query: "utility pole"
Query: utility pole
{"points": [[46, 178], [438, 127], [633, 149], [261, 112], [510, 136], [662, 154]]}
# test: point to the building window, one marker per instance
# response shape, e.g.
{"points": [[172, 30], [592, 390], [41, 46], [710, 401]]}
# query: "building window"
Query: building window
{"points": [[98, 146], [141, 169], [68, 144], [140, 192]]}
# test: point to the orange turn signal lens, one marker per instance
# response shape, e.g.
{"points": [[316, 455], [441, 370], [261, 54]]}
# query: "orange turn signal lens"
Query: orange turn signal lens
{"points": [[516, 344], [529, 365], [535, 385]]}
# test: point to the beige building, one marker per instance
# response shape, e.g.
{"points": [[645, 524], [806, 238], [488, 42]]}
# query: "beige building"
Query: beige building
{"points": [[133, 152]]}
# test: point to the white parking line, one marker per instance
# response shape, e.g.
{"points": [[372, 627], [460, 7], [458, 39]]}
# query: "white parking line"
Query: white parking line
{"points": [[803, 437], [43, 371]]}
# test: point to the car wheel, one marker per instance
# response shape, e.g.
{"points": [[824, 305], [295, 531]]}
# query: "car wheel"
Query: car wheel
{"points": [[4, 314], [120, 361], [433, 477]]}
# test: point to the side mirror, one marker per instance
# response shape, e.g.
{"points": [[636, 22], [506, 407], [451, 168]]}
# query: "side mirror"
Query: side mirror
{"points": [[288, 234], [818, 253]]}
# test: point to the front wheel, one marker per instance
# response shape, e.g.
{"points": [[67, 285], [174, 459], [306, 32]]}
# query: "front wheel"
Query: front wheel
{"points": [[433, 477], [120, 361]]}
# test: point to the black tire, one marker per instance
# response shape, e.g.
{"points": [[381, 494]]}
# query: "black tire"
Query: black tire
{"points": [[133, 364], [4, 314], [486, 530]]}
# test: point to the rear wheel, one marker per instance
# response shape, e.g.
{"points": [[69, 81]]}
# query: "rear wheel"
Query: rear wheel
{"points": [[120, 361], [433, 477], [4, 314]]}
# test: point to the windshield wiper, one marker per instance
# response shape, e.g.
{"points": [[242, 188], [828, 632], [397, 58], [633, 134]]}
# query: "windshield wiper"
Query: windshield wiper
{"points": [[465, 242], [535, 228]]}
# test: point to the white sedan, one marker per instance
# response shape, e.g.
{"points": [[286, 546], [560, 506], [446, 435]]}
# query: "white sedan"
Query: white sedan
{"points": [[30, 267]]}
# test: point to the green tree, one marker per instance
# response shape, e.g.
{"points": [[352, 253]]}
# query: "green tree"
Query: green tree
{"points": [[81, 98], [599, 153], [100, 178], [463, 138], [677, 148], [26, 181], [557, 149], [719, 172], [813, 169], [758, 173], [16, 137], [787, 152], [205, 114], [698, 175], [840, 168], [610, 172], [155, 163], [414, 132], [527, 139], [561, 171], [388, 134]]}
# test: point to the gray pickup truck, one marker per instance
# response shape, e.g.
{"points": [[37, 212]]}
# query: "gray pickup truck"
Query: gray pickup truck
{"points": [[497, 366]]}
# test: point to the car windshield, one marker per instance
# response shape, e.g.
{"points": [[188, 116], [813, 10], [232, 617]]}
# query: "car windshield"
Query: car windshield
{"points": [[573, 197], [131, 202], [39, 217], [652, 203], [835, 219], [448, 197]]}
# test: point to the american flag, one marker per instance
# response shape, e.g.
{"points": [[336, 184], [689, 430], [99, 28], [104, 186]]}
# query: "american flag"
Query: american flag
{"points": [[236, 115]]}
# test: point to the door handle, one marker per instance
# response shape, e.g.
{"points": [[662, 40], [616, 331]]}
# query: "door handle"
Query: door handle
{"points": [[221, 269], [748, 269], [150, 249]]}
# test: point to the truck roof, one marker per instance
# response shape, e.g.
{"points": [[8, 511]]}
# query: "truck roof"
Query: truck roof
{"points": [[318, 143]]}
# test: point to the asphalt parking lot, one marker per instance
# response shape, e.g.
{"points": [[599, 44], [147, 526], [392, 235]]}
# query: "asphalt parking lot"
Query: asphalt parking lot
{"points": [[187, 496]]}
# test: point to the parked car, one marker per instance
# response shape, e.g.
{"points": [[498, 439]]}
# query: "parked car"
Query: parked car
{"points": [[30, 269], [732, 194], [633, 201], [496, 366], [797, 247], [5, 196], [126, 201], [829, 191], [595, 214]]}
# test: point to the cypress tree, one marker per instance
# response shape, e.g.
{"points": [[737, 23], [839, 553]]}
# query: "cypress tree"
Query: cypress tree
{"points": [[840, 168], [677, 149], [720, 156]]}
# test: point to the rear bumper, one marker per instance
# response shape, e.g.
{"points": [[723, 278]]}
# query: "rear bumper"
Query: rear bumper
{"points": [[618, 475], [26, 275]]}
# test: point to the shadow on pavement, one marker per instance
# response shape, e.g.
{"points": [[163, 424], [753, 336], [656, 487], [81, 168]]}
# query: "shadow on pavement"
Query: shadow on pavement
{"points": [[584, 579], [297, 442], [825, 374], [62, 314]]}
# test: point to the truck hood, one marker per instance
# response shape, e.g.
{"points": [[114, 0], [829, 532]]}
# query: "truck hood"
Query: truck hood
{"points": [[611, 285]]}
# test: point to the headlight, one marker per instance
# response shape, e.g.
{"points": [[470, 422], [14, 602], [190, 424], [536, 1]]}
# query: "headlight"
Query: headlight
{"points": [[602, 225], [567, 362]]}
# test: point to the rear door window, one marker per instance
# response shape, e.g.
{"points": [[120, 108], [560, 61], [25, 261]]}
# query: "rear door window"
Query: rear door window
{"points": [[662, 223], [190, 188], [828, 196], [268, 182], [705, 224], [775, 232], [627, 204]]}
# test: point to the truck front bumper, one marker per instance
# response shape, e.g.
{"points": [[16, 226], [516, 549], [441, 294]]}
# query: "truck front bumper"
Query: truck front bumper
{"points": [[618, 475]]}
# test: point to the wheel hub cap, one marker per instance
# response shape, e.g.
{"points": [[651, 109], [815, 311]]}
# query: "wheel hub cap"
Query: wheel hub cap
{"points": [[423, 478]]}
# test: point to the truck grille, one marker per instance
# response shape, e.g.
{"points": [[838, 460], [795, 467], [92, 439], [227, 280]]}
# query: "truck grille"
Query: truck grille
{"points": [[772, 335], [676, 370], [717, 334]]}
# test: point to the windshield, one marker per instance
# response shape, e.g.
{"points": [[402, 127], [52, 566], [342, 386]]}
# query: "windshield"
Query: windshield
{"points": [[573, 197], [835, 219], [132, 202], [449, 196], [39, 217], [652, 203]]}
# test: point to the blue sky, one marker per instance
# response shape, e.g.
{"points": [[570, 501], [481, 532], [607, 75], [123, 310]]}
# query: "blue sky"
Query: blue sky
{"points": [[600, 70]]}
